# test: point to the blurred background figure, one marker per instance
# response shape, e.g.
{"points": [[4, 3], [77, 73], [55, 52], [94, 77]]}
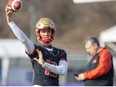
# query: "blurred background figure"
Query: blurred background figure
{"points": [[100, 71]]}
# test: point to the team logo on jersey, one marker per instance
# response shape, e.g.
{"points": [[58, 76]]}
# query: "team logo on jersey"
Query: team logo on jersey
{"points": [[94, 61]]}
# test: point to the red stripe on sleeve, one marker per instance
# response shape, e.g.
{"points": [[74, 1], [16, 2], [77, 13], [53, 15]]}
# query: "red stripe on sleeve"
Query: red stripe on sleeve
{"points": [[63, 59], [32, 52]]}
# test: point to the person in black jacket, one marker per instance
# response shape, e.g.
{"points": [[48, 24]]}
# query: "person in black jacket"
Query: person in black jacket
{"points": [[100, 71]]}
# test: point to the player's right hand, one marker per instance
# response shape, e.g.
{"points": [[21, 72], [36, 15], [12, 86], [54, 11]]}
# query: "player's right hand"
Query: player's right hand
{"points": [[9, 14]]}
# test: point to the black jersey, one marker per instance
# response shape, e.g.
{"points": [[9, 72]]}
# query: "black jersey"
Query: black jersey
{"points": [[51, 55]]}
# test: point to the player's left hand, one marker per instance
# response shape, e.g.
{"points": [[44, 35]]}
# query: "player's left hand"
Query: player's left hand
{"points": [[40, 60], [80, 77]]}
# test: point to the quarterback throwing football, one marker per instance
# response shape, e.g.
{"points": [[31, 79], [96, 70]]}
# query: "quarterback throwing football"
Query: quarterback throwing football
{"points": [[48, 61]]}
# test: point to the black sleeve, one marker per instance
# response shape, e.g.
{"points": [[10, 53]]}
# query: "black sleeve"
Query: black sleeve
{"points": [[34, 53], [63, 55]]}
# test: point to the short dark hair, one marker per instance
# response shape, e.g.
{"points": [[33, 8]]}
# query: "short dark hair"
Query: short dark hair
{"points": [[92, 40]]}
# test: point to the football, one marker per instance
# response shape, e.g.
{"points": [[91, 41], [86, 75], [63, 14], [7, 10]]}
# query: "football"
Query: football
{"points": [[14, 5]]}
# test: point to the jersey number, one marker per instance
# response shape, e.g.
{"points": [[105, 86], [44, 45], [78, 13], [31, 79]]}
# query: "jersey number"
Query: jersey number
{"points": [[47, 72]]}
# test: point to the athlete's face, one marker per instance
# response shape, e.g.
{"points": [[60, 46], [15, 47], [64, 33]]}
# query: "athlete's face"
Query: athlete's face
{"points": [[91, 48], [45, 34]]}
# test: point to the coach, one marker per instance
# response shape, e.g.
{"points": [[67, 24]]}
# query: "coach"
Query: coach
{"points": [[100, 71]]}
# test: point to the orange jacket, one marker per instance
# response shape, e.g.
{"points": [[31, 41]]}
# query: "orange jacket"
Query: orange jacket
{"points": [[104, 65]]}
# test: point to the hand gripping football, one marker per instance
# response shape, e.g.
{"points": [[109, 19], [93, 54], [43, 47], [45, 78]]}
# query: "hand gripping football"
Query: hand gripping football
{"points": [[14, 5]]}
